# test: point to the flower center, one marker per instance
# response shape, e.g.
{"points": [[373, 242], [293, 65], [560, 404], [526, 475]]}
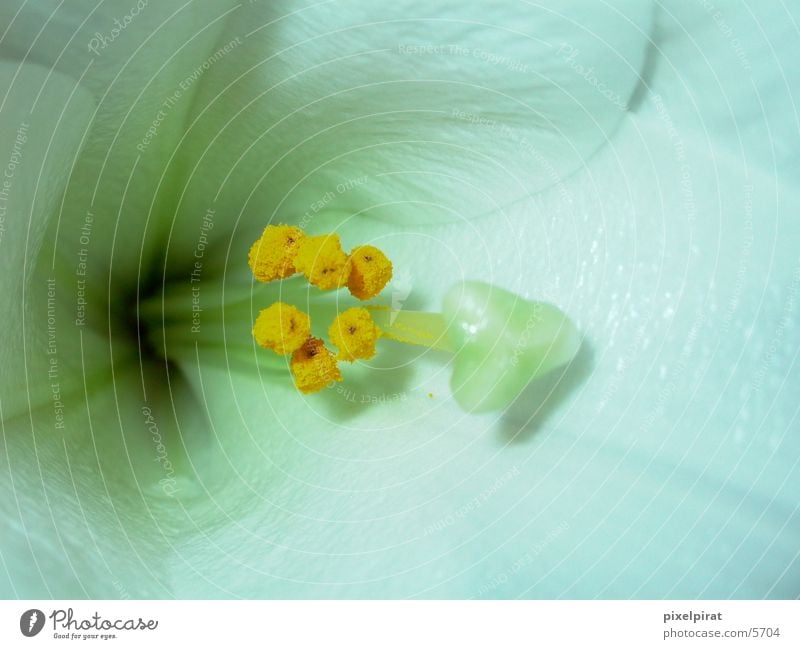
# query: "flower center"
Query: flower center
{"points": [[498, 341], [283, 251]]}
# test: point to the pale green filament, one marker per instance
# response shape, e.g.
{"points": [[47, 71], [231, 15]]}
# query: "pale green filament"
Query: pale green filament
{"points": [[413, 327]]}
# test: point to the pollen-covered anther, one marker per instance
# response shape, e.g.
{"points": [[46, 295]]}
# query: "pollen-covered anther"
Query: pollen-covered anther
{"points": [[282, 328], [354, 334], [370, 272], [314, 366], [272, 256], [323, 262]]}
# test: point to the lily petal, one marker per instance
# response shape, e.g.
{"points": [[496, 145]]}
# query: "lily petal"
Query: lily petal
{"points": [[133, 57], [413, 112], [342, 495], [632, 476], [87, 507], [86, 479], [60, 513], [728, 74], [39, 146]]}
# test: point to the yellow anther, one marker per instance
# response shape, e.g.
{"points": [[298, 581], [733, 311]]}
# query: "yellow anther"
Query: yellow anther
{"points": [[354, 333], [273, 255], [370, 271], [322, 260], [314, 367], [282, 328]]}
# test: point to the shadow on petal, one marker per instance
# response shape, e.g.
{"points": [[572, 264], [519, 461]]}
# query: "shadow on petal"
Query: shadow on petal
{"points": [[650, 62], [543, 396], [384, 379]]}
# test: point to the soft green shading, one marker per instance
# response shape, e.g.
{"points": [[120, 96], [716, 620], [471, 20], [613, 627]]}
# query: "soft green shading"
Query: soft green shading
{"points": [[669, 472], [502, 343]]}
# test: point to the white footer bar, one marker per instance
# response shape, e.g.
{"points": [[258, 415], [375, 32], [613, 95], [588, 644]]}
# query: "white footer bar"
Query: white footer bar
{"points": [[386, 625]]}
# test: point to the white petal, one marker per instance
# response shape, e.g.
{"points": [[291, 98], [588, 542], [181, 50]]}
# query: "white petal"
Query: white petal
{"points": [[729, 73], [140, 60], [663, 466], [81, 507], [70, 500], [39, 144], [415, 112], [87, 507]]}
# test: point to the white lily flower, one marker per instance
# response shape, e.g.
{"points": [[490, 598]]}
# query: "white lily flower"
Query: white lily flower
{"points": [[629, 164]]}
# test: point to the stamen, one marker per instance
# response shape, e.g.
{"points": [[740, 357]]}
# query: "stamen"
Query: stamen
{"points": [[354, 333], [314, 366], [272, 256], [282, 328], [500, 342], [323, 262], [370, 272]]}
